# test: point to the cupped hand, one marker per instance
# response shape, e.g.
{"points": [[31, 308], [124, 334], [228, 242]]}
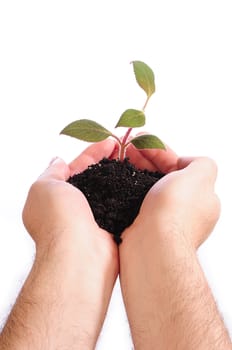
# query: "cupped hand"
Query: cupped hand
{"points": [[151, 159], [183, 202], [57, 211]]}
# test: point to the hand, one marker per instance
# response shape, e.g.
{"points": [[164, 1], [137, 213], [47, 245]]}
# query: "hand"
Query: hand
{"points": [[57, 211], [75, 266], [161, 278], [182, 202], [150, 159]]}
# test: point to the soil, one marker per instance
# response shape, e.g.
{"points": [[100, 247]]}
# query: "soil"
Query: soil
{"points": [[115, 191]]}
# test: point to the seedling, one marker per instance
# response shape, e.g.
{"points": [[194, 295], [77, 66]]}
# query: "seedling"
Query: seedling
{"points": [[90, 131]]}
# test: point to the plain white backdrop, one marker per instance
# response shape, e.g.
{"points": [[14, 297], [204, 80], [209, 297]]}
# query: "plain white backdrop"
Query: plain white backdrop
{"points": [[65, 60]]}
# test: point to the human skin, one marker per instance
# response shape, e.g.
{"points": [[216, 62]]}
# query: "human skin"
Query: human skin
{"points": [[169, 305], [65, 298], [167, 298]]}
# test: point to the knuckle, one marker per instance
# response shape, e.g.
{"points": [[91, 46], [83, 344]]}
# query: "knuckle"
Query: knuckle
{"points": [[209, 163]]}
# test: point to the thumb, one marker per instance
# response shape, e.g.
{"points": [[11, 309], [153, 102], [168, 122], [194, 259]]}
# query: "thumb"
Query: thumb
{"points": [[57, 170], [203, 168]]}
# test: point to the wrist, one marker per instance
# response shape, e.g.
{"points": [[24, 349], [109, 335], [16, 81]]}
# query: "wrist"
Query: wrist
{"points": [[71, 247], [159, 235]]}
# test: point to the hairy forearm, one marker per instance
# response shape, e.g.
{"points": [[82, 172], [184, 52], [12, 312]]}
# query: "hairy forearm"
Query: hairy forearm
{"points": [[168, 300], [62, 304]]}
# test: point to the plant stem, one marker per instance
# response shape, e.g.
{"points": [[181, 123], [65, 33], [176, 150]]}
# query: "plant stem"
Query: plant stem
{"points": [[121, 153], [123, 144], [122, 149], [145, 103], [116, 138], [127, 144], [126, 136]]}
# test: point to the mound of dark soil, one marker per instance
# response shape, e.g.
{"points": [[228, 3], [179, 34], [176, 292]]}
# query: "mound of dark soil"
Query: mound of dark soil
{"points": [[115, 191]]}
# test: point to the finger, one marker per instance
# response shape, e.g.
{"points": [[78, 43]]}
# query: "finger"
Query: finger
{"points": [[134, 156], [92, 155], [203, 168], [183, 162], [163, 160], [115, 153], [137, 158], [57, 170]]}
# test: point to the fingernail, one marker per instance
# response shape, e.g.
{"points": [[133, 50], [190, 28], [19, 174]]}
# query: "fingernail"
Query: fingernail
{"points": [[54, 160]]}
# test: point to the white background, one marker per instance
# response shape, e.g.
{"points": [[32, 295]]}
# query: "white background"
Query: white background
{"points": [[65, 60]]}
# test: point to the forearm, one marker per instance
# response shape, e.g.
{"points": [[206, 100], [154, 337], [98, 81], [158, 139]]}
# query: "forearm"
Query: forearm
{"points": [[62, 304], [168, 301]]}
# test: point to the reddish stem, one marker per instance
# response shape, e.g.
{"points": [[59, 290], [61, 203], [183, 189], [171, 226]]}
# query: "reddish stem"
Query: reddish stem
{"points": [[126, 136], [122, 150], [121, 153]]}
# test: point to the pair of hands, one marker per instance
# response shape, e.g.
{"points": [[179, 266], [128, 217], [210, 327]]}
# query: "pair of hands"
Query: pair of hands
{"points": [[184, 200]]}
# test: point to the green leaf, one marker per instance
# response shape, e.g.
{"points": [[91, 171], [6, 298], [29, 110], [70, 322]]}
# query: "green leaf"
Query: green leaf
{"points": [[144, 77], [147, 141], [131, 118], [86, 130]]}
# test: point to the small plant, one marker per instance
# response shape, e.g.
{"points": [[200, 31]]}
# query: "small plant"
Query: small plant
{"points": [[90, 131]]}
